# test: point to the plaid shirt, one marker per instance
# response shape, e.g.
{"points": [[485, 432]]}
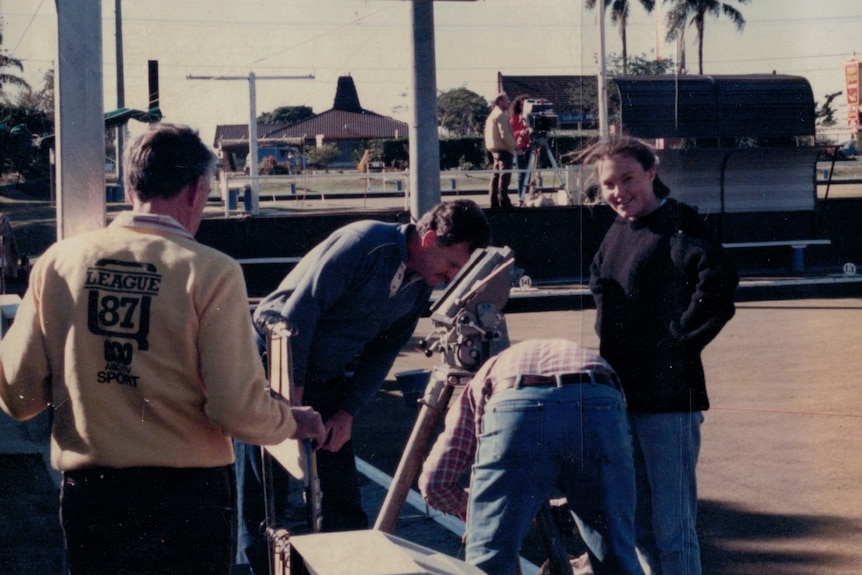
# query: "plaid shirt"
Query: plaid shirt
{"points": [[455, 449]]}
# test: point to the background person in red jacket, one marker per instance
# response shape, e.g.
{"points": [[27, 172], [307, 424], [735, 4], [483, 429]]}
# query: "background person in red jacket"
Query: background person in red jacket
{"points": [[521, 131]]}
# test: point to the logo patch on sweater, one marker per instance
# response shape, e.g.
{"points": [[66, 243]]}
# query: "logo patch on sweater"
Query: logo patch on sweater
{"points": [[119, 300]]}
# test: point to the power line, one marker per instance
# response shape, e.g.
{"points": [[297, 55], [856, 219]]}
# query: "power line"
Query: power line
{"points": [[27, 27]]}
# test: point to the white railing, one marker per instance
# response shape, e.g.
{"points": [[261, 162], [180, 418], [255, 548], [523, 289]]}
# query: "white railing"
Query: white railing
{"points": [[315, 190]]}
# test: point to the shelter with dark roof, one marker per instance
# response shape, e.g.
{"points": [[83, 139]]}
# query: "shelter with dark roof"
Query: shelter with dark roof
{"points": [[347, 125], [574, 98]]}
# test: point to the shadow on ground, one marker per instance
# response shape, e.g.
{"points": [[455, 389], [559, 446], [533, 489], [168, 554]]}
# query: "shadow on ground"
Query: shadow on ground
{"points": [[734, 541]]}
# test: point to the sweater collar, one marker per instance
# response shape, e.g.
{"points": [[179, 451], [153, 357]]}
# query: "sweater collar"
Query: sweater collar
{"points": [[154, 222]]}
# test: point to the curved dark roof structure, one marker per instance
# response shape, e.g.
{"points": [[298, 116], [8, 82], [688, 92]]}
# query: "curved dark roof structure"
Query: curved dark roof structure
{"points": [[761, 106]]}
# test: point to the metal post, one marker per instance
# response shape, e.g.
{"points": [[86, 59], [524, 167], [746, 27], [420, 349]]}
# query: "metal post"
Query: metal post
{"points": [[424, 141], [252, 125], [602, 76], [252, 146], [121, 94], [79, 109]]}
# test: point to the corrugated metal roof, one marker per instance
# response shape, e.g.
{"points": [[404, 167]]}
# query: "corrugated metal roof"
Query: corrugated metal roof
{"points": [[239, 132], [737, 106]]}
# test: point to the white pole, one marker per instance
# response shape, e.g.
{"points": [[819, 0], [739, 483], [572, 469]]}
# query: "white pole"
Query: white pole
{"points": [[252, 145], [602, 81], [252, 125], [80, 132], [424, 140]]}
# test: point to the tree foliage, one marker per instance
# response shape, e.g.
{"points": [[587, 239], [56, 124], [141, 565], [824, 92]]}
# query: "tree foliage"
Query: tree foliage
{"points": [[286, 115], [825, 115], [462, 112], [639, 66], [620, 17], [322, 155], [41, 101], [693, 13], [8, 67]]}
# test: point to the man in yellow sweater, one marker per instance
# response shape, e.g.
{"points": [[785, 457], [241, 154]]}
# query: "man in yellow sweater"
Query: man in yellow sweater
{"points": [[132, 335]]}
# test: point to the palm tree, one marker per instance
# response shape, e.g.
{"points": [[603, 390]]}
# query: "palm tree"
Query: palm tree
{"points": [[6, 77], [620, 16], [678, 18]]}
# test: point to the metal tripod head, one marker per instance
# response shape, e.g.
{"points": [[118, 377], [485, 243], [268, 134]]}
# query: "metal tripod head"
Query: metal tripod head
{"points": [[468, 324]]}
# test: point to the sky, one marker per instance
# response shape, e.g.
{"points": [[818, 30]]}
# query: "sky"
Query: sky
{"points": [[370, 41]]}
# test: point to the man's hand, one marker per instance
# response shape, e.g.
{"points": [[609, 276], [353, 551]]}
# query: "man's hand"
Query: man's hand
{"points": [[338, 429], [309, 425]]}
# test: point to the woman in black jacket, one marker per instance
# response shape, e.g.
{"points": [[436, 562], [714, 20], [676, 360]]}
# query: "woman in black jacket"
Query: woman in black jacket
{"points": [[663, 288]]}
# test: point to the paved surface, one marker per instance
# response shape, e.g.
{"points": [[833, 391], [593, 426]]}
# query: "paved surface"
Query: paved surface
{"points": [[780, 465]]}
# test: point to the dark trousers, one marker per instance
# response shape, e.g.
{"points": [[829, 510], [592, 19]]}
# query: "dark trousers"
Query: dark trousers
{"points": [[339, 484], [498, 191], [522, 160], [148, 520]]}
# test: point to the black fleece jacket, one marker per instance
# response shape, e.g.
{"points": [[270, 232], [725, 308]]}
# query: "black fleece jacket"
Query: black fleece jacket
{"points": [[663, 288]]}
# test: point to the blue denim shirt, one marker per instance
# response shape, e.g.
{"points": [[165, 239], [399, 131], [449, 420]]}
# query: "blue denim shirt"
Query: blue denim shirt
{"points": [[338, 302]]}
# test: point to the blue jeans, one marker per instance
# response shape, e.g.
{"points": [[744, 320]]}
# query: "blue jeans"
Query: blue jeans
{"points": [[534, 438], [666, 448]]}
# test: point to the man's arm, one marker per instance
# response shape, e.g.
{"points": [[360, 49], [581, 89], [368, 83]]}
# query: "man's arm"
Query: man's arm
{"points": [[304, 296], [379, 355], [231, 371], [451, 457], [374, 364], [24, 369]]}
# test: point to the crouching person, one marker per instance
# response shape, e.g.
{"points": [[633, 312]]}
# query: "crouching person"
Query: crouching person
{"points": [[542, 414]]}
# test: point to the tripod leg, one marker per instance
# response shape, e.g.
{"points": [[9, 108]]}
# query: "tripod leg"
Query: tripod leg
{"points": [[559, 172], [558, 557], [529, 188]]}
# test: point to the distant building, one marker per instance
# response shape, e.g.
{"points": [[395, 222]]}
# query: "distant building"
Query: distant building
{"points": [[347, 125]]}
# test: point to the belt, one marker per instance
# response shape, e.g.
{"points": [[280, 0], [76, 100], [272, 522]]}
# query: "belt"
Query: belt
{"points": [[580, 377]]}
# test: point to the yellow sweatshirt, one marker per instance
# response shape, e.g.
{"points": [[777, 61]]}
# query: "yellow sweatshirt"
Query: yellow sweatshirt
{"points": [[141, 340]]}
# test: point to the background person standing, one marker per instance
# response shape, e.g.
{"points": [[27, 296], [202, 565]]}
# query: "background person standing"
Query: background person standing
{"points": [[500, 142], [664, 288], [521, 131]]}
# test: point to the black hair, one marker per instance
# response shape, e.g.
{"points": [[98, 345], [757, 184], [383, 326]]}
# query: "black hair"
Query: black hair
{"points": [[456, 222]]}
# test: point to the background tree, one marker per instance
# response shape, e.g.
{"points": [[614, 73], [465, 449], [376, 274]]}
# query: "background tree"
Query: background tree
{"points": [[41, 101], [620, 16], [462, 112], [639, 66], [678, 19], [8, 65], [286, 115], [825, 115], [25, 125], [322, 155]]}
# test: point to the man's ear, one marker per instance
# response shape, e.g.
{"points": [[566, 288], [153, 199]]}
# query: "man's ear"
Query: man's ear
{"points": [[429, 239], [192, 190]]}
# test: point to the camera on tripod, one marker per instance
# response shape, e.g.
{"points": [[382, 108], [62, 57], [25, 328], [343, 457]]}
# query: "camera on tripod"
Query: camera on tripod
{"points": [[540, 116]]}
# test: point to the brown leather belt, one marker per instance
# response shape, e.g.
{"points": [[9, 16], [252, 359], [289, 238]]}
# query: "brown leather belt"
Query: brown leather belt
{"points": [[581, 377]]}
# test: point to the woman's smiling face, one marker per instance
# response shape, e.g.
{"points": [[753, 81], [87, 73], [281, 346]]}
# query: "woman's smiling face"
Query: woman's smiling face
{"points": [[626, 186]]}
